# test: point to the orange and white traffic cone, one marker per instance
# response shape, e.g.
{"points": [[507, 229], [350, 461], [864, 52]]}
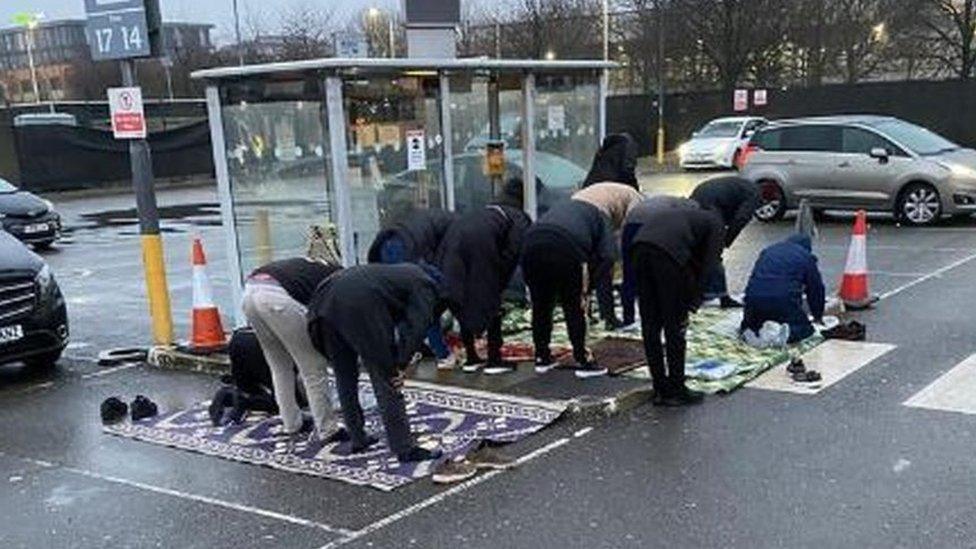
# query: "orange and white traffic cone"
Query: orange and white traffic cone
{"points": [[208, 331], [854, 288]]}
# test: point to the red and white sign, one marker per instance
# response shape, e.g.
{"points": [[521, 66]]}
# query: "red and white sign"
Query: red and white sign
{"points": [[760, 98], [740, 100], [128, 117]]}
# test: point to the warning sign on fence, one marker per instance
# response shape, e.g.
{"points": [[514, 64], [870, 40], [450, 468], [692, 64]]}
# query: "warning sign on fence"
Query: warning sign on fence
{"points": [[128, 117]]}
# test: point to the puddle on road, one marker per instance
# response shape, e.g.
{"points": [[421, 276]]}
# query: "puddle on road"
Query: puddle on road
{"points": [[178, 219]]}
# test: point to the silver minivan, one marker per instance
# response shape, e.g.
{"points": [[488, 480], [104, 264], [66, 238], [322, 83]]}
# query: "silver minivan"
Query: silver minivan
{"points": [[875, 163]]}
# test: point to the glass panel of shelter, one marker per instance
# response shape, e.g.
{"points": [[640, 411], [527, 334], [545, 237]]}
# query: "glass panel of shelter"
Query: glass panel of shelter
{"points": [[472, 130], [395, 150], [276, 154]]}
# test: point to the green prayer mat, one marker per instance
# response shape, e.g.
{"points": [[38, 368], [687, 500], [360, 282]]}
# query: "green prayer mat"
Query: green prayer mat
{"points": [[707, 340]]}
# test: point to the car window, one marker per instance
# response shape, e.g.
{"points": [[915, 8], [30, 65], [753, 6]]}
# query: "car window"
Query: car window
{"points": [[858, 141], [916, 138], [768, 140], [752, 126], [721, 129], [811, 138]]}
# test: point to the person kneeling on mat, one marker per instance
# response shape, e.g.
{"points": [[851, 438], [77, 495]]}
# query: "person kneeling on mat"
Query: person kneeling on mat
{"points": [[566, 255], [377, 314], [783, 274], [251, 387], [275, 300], [670, 256], [478, 257]]}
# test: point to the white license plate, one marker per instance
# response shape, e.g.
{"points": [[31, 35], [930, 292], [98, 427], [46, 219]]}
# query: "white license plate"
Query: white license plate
{"points": [[36, 228], [9, 334]]}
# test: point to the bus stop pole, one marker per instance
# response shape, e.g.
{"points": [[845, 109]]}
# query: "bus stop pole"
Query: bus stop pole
{"points": [[152, 243]]}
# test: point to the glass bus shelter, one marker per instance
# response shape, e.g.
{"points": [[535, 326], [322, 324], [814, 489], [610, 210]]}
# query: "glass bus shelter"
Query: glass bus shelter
{"points": [[357, 143]]}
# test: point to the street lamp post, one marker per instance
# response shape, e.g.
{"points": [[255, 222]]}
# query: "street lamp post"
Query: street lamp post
{"points": [[606, 30], [237, 32], [374, 14], [30, 21], [30, 59], [660, 84]]}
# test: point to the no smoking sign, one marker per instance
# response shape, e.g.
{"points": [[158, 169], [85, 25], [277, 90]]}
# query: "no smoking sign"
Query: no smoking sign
{"points": [[128, 117]]}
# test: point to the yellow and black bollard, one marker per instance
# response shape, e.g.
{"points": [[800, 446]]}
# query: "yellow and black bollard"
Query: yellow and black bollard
{"points": [[152, 243]]}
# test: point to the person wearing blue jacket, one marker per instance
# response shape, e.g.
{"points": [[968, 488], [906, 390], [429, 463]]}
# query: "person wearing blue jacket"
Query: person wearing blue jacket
{"points": [[784, 273]]}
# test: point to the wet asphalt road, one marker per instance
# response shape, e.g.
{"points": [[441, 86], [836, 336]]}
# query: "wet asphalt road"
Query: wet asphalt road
{"points": [[850, 467]]}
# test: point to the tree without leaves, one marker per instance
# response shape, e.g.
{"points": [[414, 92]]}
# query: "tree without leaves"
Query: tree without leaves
{"points": [[952, 25]]}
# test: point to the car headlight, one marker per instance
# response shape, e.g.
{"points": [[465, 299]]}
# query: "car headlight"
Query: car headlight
{"points": [[49, 204], [959, 170], [44, 279], [683, 149]]}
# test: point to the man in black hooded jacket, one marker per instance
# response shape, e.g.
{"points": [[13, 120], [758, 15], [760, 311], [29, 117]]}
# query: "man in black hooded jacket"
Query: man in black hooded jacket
{"points": [[566, 254], [378, 314], [615, 162], [477, 257], [735, 200], [670, 255]]}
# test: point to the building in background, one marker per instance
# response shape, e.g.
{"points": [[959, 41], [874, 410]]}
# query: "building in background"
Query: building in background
{"points": [[61, 49]]}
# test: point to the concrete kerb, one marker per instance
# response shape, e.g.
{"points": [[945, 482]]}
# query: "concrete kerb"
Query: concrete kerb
{"points": [[171, 358], [217, 364]]}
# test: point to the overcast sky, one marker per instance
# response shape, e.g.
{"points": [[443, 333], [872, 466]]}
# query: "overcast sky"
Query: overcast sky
{"points": [[218, 12]]}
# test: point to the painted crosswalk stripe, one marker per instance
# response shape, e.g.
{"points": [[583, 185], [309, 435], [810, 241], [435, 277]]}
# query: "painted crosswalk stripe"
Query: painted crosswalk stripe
{"points": [[834, 359], [953, 391]]}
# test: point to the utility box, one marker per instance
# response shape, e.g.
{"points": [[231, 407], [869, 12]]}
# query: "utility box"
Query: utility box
{"points": [[432, 28]]}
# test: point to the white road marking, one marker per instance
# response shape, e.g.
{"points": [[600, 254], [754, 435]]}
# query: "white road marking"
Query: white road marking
{"points": [[834, 359], [437, 498], [953, 391], [196, 498], [934, 274]]}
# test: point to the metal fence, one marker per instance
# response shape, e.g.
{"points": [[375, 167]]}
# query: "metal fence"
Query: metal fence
{"points": [[945, 107]]}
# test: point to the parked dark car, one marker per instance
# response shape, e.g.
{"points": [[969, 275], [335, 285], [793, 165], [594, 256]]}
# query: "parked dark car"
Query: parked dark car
{"points": [[33, 315], [28, 217]]}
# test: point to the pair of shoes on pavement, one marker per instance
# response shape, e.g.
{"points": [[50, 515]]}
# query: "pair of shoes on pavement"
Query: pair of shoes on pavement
{"points": [[585, 370], [682, 396], [798, 371], [114, 410], [485, 457]]}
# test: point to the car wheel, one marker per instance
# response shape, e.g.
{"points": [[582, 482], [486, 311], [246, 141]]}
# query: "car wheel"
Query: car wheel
{"points": [[919, 204], [44, 361], [43, 246], [773, 202]]}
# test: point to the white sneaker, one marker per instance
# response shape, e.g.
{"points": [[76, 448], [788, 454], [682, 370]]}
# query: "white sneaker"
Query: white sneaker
{"points": [[447, 364], [632, 328], [544, 366]]}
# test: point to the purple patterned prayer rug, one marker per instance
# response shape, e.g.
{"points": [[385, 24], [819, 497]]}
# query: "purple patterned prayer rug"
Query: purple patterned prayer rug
{"points": [[452, 419]]}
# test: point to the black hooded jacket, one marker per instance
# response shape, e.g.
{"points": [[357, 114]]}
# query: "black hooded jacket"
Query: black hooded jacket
{"points": [[692, 237], [583, 230], [733, 198], [421, 231], [615, 162], [381, 311], [477, 257]]}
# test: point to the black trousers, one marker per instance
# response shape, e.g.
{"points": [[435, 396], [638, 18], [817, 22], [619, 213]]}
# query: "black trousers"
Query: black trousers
{"points": [[494, 341], [665, 299], [393, 409], [555, 276]]}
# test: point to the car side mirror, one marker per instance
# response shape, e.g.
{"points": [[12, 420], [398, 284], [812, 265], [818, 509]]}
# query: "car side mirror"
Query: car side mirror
{"points": [[880, 154], [750, 133]]}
